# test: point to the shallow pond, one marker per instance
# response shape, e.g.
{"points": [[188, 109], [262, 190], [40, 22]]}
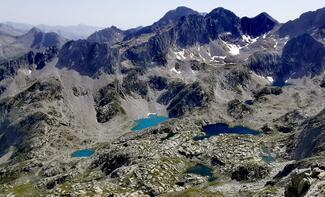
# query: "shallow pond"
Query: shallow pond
{"points": [[202, 170], [151, 121], [266, 155], [268, 159], [83, 153], [222, 128]]}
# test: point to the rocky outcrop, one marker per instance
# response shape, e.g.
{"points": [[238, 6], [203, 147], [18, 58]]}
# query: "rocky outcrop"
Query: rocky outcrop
{"points": [[267, 91], [238, 110], [132, 84], [10, 68], [172, 90], [322, 83], [107, 102], [237, 78], [158, 83], [251, 172], [182, 98], [299, 185], [24, 128]]}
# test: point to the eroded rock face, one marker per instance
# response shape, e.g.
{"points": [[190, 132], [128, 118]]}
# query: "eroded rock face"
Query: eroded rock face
{"points": [[289, 122], [87, 58], [311, 140], [173, 89], [264, 63], [192, 96], [301, 56]]}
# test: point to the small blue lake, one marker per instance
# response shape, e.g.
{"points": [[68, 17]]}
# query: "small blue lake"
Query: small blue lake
{"points": [[222, 128], [151, 121], [249, 102], [266, 155], [202, 170], [268, 159], [83, 153]]}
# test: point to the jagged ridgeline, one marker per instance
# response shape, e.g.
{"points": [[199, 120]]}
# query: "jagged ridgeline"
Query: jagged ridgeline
{"points": [[195, 104]]}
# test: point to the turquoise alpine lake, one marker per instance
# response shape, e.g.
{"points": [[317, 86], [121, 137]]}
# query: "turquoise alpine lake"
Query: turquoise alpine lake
{"points": [[202, 170], [83, 153], [151, 121], [266, 155], [268, 159], [222, 128]]}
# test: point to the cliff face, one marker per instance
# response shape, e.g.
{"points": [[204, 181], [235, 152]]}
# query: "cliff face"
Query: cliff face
{"points": [[310, 142]]}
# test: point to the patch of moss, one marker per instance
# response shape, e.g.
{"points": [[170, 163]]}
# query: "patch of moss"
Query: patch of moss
{"points": [[24, 190], [193, 193]]}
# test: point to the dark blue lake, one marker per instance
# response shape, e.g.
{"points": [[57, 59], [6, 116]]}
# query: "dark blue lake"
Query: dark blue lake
{"points": [[222, 128], [249, 102], [202, 170], [151, 121], [83, 153], [280, 84]]}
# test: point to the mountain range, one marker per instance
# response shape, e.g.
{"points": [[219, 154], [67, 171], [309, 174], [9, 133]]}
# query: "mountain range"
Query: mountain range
{"points": [[73, 32], [59, 95]]}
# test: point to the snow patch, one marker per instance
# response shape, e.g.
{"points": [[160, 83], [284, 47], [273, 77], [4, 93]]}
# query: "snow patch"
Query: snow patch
{"points": [[233, 49], [270, 79], [149, 114], [180, 54], [219, 57], [248, 39], [174, 70], [275, 45]]}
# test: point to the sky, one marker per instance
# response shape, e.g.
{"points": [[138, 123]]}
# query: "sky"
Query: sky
{"points": [[133, 13]]}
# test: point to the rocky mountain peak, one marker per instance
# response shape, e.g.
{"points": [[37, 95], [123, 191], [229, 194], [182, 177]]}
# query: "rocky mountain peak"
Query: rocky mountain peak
{"points": [[221, 13], [174, 15], [258, 25], [110, 35], [306, 23]]}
